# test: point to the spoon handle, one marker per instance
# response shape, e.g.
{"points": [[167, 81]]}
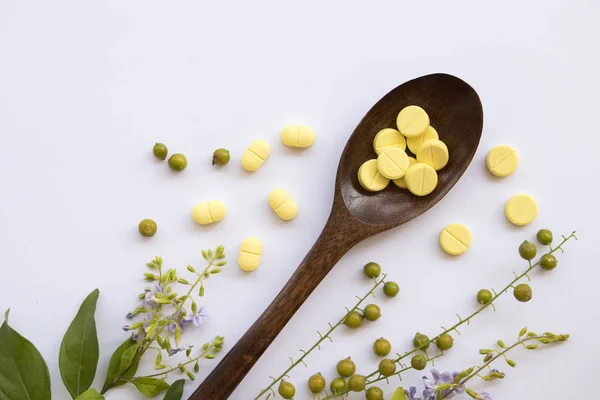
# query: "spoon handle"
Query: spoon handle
{"points": [[337, 238]]}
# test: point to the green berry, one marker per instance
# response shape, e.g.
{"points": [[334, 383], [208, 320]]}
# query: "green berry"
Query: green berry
{"points": [[337, 385], [484, 297], [220, 157], [345, 367], [421, 341], [374, 393], [286, 390], [387, 367], [147, 228], [316, 383], [357, 383], [544, 236], [382, 347], [354, 319], [418, 362], [160, 151], [527, 250], [391, 289], [372, 270], [372, 312], [444, 342], [523, 293], [177, 162], [548, 262]]}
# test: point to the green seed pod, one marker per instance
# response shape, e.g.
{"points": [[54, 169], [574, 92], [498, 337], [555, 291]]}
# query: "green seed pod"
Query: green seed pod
{"points": [[220, 157], [372, 270], [354, 319], [418, 362], [316, 383], [337, 385], [286, 390], [527, 250], [177, 162], [345, 367], [544, 236], [523, 293], [357, 383], [382, 347], [548, 262], [391, 289], [484, 297], [372, 312], [444, 342], [421, 341], [374, 393], [147, 228], [387, 367], [160, 151]]}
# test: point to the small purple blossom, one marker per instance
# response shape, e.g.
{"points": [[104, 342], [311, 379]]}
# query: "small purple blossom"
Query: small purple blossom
{"points": [[172, 352], [129, 315], [126, 328], [176, 321], [150, 299], [411, 393], [440, 379], [195, 319], [485, 396]]}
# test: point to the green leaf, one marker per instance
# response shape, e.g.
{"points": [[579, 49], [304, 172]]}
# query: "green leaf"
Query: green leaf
{"points": [[150, 386], [122, 364], [399, 394], [90, 394], [175, 392], [78, 356], [23, 372]]}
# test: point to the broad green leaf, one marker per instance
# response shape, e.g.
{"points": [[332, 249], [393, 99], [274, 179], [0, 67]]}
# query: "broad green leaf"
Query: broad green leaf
{"points": [[122, 364], [175, 391], [90, 394], [150, 386], [78, 357], [399, 394], [23, 372]]}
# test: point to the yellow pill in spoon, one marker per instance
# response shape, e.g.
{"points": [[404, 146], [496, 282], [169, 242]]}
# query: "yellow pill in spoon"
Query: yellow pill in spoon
{"points": [[388, 137], [434, 153], [370, 178], [392, 163], [412, 121], [421, 179], [415, 142], [401, 183]]}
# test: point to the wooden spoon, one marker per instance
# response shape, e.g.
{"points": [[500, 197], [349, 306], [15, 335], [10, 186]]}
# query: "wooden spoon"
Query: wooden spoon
{"points": [[456, 112]]}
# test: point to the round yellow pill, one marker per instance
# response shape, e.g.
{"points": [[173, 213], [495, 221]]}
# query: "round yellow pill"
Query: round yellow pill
{"points": [[370, 178], [250, 252], [388, 137], [209, 212], [412, 121], [283, 204], [255, 155], [434, 153], [502, 160], [401, 183], [421, 179], [415, 142], [298, 136], [455, 239], [392, 163], [521, 209]]}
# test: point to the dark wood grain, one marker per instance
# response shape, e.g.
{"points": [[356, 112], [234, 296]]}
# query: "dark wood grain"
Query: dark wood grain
{"points": [[456, 112]]}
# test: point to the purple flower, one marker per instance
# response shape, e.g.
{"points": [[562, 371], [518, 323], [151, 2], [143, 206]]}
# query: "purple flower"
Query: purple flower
{"points": [[485, 396], [176, 321], [150, 300], [195, 319], [411, 393], [172, 352], [126, 328], [440, 379]]}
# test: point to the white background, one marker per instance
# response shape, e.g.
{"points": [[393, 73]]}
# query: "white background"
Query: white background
{"points": [[87, 87]]}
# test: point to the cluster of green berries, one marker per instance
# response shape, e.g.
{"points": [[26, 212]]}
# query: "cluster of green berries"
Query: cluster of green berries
{"points": [[177, 161]]}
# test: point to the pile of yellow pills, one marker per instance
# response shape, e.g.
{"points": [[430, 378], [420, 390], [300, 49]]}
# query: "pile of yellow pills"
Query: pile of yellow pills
{"points": [[434, 153], [502, 160], [370, 178], [412, 121], [421, 179], [415, 142], [283, 204], [386, 138], [392, 163], [209, 212], [455, 239], [298, 136], [255, 155], [521, 209], [250, 253], [401, 183]]}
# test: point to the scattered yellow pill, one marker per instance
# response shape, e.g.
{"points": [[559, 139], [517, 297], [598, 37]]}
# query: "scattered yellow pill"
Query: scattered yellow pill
{"points": [[434, 153], [255, 155], [298, 136], [412, 121], [401, 183], [209, 212], [521, 209], [421, 179], [502, 160], [250, 252], [386, 138], [283, 204], [370, 178], [415, 142], [392, 163], [455, 239]]}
